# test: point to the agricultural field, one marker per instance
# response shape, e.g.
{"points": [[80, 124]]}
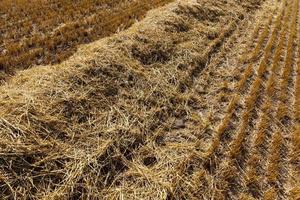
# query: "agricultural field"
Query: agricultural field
{"points": [[198, 100], [36, 32]]}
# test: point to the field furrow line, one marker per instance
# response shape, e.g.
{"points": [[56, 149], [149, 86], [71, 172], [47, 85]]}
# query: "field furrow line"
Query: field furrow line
{"points": [[276, 173], [257, 145], [251, 101], [232, 105], [235, 148]]}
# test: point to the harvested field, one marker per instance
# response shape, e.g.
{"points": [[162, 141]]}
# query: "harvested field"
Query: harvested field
{"points": [[199, 100], [48, 32]]}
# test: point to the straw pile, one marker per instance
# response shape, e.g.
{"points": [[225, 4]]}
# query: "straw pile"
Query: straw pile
{"points": [[94, 127]]}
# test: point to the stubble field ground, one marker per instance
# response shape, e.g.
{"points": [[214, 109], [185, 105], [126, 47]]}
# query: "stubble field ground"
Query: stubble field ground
{"points": [[39, 32], [199, 100]]}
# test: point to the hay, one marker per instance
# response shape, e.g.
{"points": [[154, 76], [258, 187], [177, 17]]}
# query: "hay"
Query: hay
{"points": [[110, 123]]}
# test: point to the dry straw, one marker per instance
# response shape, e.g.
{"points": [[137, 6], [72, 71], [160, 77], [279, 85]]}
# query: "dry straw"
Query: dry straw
{"points": [[114, 121]]}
